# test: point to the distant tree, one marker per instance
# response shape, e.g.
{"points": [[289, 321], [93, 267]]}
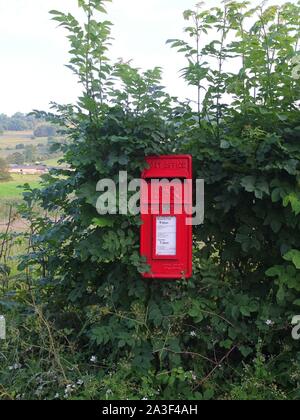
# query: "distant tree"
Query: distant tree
{"points": [[45, 131], [30, 154], [18, 122], [16, 158], [3, 121], [4, 174], [20, 146]]}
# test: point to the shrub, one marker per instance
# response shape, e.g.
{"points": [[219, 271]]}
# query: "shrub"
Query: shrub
{"points": [[176, 340], [16, 158], [45, 131], [4, 174]]}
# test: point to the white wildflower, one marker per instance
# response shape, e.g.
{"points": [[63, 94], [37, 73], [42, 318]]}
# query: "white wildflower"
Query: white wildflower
{"points": [[80, 382], [193, 334], [68, 390], [269, 323], [16, 366], [93, 359]]}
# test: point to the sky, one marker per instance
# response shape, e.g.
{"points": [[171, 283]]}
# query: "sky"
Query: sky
{"points": [[33, 51]]}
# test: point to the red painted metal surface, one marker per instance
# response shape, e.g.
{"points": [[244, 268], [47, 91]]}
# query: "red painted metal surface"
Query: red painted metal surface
{"points": [[166, 239]]}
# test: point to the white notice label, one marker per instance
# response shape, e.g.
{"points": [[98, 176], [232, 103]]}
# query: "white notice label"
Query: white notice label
{"points": [[166, 236]]}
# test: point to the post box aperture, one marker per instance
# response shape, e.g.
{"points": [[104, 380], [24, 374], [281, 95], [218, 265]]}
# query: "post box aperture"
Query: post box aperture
{"points": [[166, 202]]}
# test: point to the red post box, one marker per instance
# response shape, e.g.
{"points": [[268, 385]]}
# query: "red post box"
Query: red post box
{"points": [[166, 203]]}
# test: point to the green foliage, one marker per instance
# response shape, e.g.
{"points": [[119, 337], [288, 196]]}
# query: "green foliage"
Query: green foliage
{"points": [[13, 188], [17, 122], [45, 131], [4, 174], [180, 340], [16, 158], [258, 383]]}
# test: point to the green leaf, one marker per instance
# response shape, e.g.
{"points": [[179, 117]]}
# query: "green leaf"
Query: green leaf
{"points": [[245, 351], [248, 183], [226, 344], [56, 12], [259, 187], [294, 200], [274, 271], [294, 257], [276, 225], [276, 195], [225, 144], [102, 222], [280, 295], [283, 117]]}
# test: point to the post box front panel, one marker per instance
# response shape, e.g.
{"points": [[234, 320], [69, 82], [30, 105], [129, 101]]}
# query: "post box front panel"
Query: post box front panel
{"points": [[166, 239]]}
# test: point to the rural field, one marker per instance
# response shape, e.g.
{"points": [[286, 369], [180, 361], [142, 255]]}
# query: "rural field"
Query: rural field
{"points": [[10, 139], [12, 189], [11, 196]]}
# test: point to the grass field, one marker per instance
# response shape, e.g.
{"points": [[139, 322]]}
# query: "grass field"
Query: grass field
{"points": [[11, 198], [9, 140], [10, 189], [51, 162], [12, 138]]}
